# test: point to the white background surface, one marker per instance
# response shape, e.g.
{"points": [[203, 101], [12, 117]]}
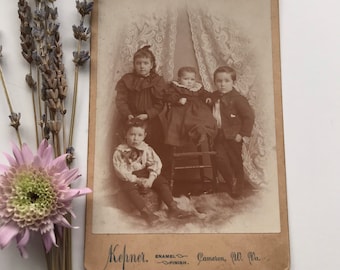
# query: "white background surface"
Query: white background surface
{"points": [[310, 57]]}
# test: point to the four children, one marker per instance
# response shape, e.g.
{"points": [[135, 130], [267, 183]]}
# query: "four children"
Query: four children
{"points": [[194, 115]]}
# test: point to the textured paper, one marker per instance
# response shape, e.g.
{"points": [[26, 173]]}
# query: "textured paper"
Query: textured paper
{"points": [[256, 237]]}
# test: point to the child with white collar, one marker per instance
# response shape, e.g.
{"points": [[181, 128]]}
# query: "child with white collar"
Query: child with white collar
{"points": [[235, 120], [190, 117], [138, 166]]}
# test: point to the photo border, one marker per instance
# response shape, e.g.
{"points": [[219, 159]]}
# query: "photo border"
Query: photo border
{"points": [[182, 251]]}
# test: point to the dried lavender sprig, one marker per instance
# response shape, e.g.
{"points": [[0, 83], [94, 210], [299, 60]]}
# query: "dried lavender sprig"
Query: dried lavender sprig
{"points": [[84, 8], [28, 47], [80, 57], [14, 117], [38, 35], [49, 55], [54, 91]]}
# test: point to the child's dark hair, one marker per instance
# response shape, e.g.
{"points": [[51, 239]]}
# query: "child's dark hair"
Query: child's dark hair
{"points": [[226, 69], [136, 122], [182, 70], [145, 52]]}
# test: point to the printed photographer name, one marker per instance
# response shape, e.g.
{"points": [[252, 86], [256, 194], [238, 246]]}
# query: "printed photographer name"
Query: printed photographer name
{"points": [[119, 254]]}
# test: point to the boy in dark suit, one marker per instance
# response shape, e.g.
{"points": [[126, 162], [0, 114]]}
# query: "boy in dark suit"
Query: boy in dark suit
{"points": [[235, 120]]}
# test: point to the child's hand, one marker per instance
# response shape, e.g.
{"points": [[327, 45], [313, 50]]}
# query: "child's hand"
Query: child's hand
{"points": [[130, 116], [238, 138], [143, 116], [140, 181], [146, 182], [246, 139], [208, 100], [182, 100]]}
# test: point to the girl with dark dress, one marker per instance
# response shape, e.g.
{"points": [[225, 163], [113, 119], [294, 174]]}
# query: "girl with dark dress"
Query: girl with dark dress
{"points": [[140, 95]]}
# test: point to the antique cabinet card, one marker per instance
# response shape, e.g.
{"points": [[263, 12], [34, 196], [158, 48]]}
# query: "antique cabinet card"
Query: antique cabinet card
{"points": [[228, 225]]}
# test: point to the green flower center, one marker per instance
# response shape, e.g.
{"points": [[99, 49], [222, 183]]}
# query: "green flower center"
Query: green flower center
{"points": [[34, 197]]}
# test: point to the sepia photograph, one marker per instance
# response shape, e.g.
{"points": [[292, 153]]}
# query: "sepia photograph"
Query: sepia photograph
{"points": [[194, 81], [185, 135]]}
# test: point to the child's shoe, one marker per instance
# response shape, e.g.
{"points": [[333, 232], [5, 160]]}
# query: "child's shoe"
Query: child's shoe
{"points": [[148, 216], [176, 212], [237, 189]]}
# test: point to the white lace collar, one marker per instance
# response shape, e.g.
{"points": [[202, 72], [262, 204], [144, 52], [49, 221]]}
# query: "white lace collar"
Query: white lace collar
{"points": [[197, 86]]}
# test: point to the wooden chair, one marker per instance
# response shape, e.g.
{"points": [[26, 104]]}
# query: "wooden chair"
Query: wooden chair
{"points": [[204, 159]]}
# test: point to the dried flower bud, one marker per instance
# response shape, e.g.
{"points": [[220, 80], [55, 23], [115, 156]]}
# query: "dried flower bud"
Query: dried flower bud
{"points": [[36, 58], [70, 154], [62, 86], [27, 56], [15, 119], [54, 125], [25, 28], [30, 81], [52, 94], [50, 80], [84, 8], [81, 33], [47, 132], [79, 58], [38, 34], [24, 11], [52, 28], [54, 13], [40, 15]]}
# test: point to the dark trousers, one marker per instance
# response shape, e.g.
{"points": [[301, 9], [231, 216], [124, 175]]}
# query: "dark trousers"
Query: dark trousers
{"points": [[229, 160], [160, 186]]}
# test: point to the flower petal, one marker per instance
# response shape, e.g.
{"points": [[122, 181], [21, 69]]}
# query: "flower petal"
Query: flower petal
{"points": [[63, 222], [45, 152], [69, 176], [27, 154], [17, 154], [37, 162], [59, 164], [22, 240], [7, 232], [48, 240], [72, 193], [11, 160], [23, 252], [42, 147], [3, 168]]}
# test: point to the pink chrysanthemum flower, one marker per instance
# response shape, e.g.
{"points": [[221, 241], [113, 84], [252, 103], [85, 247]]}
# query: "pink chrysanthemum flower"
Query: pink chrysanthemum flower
{"points": [[35, 194]]}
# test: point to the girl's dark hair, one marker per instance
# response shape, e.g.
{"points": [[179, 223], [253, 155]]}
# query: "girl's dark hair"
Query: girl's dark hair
{"points": [[182, 70], [226, 69], [136, 122], [147, 53]]}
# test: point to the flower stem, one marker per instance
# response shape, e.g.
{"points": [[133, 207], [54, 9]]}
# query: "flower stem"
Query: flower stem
{"points": [[9, 104], [74, 104], [63, 127], [39, 102], [35, 113]]}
